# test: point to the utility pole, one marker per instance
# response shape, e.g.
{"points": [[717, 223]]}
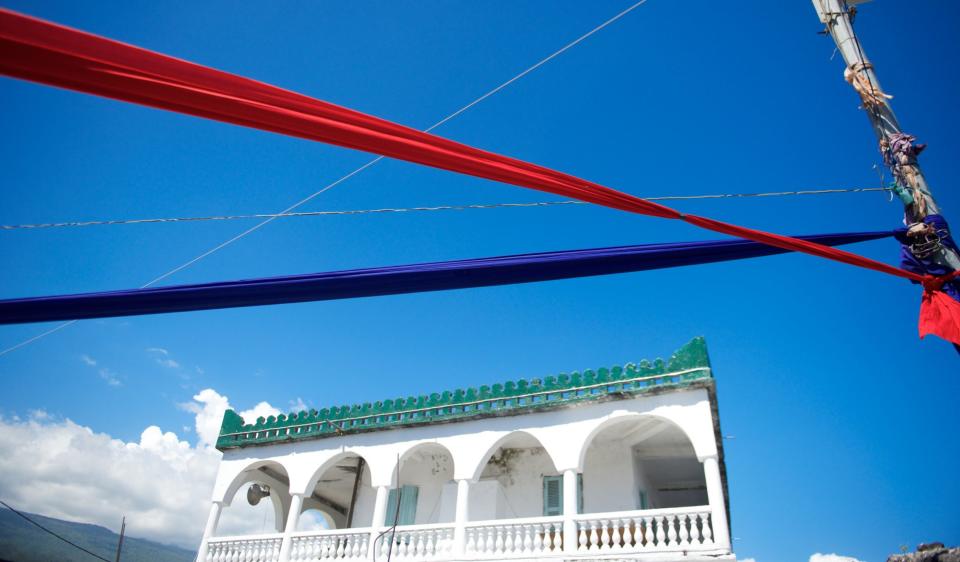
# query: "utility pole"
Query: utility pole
{"points": [[123, 527], [898, 149]]}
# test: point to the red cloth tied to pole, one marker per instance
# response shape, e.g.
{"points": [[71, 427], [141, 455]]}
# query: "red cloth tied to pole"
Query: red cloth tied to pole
{"points": [[939, 313], [40, 51]]}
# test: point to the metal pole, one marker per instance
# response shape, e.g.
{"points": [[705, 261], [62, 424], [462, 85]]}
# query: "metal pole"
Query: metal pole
{"points": [[123, 527], [837, 15]]}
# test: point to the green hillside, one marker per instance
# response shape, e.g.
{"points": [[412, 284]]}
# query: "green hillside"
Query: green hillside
{"points": [[20, 541]]}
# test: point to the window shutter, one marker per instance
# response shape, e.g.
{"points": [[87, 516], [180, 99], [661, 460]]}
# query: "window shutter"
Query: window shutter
{"points": [[391, 507], [580, 492], [552, 495], [643, 499], [408, 505]]}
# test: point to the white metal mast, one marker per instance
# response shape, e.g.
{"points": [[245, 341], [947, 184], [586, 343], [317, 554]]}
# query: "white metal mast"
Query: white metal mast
{"points": [[837, 15]]}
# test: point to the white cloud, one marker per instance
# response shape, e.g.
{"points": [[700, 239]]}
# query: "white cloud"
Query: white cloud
{"points": [[109, 376], [749, 560], [162, 357], [162, 484], [818, 557], [208, 407], [298, 405], [263, 409]]}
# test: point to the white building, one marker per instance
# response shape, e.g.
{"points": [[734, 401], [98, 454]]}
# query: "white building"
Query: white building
{"points": [[620, 463]]}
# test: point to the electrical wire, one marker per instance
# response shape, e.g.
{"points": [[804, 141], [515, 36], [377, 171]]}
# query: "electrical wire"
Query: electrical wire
{"points": [[426, 209], [68, 541], [372, 162]]}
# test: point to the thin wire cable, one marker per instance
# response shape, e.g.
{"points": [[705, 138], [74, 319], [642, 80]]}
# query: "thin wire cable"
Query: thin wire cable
{"points": [[267, 221], [68, 541], [429, 209]]}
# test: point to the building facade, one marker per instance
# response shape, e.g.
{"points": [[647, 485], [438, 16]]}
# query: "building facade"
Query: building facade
{"points": [[618, 463]]}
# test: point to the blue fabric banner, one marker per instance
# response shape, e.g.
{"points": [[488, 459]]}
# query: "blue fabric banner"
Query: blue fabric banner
{"points": [[394, 280]]}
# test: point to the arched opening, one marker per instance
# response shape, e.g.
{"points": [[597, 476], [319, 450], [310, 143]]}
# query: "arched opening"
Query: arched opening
{"points": [[425, 492], [257, 501], [517, 479], [341, 497], [315, 520], [641, 462]]}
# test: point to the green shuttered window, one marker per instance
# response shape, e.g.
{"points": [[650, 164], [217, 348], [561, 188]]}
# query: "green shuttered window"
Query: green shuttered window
{"points": [[553, 495], [408, 506]]}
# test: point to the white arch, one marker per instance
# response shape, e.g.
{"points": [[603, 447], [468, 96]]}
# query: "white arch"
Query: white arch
{"points": [[250, 474], [480, 462], [618, 418], [330, 463], [412, 447]]}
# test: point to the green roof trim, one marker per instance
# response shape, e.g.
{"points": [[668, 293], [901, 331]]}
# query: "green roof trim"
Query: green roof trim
{"points": [[689, 364]]}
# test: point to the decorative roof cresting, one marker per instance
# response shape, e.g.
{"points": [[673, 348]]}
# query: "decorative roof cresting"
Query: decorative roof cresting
{"points": [[687, 365]]}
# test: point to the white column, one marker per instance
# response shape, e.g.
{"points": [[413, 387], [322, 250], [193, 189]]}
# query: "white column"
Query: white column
{"points": [[209, 530], [718, 511], [463, 506], [569, 510], [379, 516], [296, 504]]}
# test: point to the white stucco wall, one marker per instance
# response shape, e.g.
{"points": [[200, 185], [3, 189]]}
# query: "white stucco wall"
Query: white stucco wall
{"points": [[609, 482]]}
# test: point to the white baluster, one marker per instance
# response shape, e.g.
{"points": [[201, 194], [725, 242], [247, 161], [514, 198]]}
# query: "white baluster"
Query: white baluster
{"points": [[498, 548], [582, 539], [616, 532], [604, 534], [310, 549], [408, 547], [481, 540], [508, 532], [630, 527], [671, 528], [538, 537], [471, 539], [594, 538], [707, 531], [432, 543], [684, 530], [557, 537], [425, 546]]}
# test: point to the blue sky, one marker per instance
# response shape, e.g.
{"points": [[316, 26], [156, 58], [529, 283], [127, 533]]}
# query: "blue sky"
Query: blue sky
{"points": [[844, 421]]}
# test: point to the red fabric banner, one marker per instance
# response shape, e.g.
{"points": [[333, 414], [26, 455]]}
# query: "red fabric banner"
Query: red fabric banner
{"points": [[48, 53]]}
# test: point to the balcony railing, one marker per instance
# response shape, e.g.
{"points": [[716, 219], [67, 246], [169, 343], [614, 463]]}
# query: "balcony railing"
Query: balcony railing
{"points": [[257, 548], [683, 529], [514, 538], [346, 544], [652, 530]]}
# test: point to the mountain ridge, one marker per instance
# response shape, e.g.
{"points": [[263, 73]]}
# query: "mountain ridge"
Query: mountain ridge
{"points": [[22, 541]]}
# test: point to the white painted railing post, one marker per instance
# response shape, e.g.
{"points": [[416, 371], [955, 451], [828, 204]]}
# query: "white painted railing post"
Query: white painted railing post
{"points": [[296, 504], [379, 519], [209, 530], [718, 511], [463, 506], [569, 510]]}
